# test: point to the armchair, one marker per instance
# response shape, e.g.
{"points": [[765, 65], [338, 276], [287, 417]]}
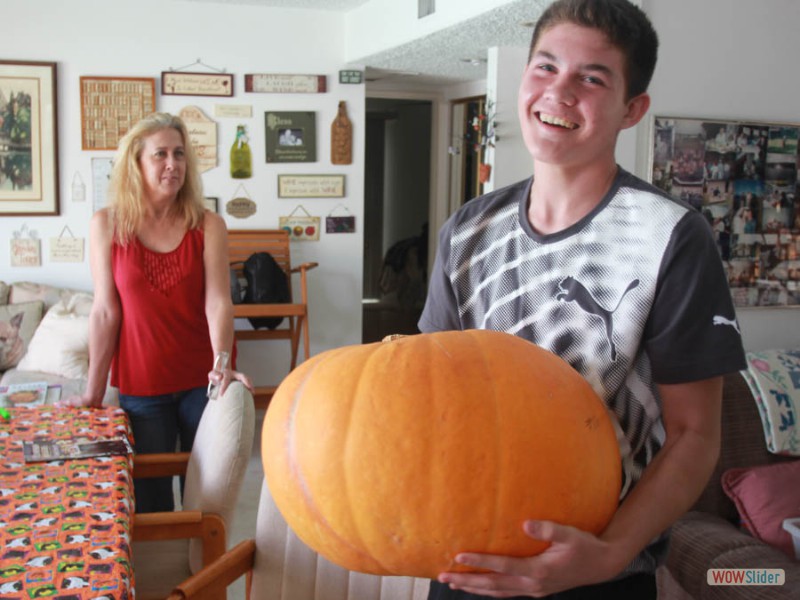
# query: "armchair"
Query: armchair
{"points": [[279, 566], [168, 547]]}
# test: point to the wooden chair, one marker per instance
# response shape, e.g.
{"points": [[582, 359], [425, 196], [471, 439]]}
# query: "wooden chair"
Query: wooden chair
{"points": [[243, 243]]}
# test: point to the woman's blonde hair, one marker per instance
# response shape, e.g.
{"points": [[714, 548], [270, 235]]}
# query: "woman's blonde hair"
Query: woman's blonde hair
{"points": [[125, 186]]}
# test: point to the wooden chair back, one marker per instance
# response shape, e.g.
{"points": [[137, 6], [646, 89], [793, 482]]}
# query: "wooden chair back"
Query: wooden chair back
{"points": [[243, 243]]}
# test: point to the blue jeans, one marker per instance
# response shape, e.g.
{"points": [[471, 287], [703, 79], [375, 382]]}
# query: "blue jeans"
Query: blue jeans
{"points": [[158, 422]]}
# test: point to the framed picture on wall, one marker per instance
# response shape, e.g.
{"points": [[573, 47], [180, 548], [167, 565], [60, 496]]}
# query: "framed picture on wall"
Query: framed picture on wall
{"points": [[291, 136], [743, 177], [28, 138], [110, 106]]}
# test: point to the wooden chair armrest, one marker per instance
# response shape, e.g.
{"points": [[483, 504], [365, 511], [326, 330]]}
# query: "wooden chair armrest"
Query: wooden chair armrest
{"points": [[217, 576], [164, 464], [304, 267], [179, 525]]}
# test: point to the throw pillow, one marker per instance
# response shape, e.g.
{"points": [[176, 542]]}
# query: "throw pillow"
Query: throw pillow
{"points": [[61, 343], [3, 293], [27, 291], [764, 497], [17, 324]]}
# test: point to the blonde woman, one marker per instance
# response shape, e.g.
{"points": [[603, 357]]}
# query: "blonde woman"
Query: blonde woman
{"points": [[162, 309]]}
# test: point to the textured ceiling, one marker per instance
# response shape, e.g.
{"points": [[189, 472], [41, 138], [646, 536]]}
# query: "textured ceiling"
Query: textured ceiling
{"points": [[341, 5], [439, 58]]}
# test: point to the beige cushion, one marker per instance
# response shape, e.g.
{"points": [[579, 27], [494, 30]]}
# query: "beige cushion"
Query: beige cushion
{"points": [[17, 325], [214, 476], [60, 344], [27, 291], [219, 459], [287, 569]]}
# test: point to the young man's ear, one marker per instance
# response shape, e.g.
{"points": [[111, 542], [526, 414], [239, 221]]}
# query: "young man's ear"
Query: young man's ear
{"points": [[637, 107]]}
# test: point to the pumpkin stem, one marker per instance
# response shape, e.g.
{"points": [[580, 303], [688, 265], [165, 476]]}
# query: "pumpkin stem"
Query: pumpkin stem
{"points": [[392, 337]]}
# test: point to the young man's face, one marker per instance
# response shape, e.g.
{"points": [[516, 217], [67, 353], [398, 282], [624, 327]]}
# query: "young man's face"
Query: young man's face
{"points": [[572, 98]]}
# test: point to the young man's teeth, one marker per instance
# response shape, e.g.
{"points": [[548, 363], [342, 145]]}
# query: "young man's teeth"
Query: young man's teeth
{"points": [[550, 119]]}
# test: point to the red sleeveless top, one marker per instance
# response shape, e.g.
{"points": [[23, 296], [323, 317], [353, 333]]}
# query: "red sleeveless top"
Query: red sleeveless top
{"points": [[164, 344]]}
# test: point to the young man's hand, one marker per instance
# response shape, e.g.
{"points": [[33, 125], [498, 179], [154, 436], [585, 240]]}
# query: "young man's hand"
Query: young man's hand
{"points": [[574, 558]]}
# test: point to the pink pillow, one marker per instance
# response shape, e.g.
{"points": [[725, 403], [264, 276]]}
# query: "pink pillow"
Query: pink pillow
{"points": [[764, 497]]}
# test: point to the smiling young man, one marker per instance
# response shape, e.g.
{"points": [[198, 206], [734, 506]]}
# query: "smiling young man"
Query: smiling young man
{"points": [[619, 279]]}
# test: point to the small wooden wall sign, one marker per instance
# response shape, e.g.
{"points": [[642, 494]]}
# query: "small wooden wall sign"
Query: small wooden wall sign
{"points": [[310, 186], [196, 84], [285, 84]]}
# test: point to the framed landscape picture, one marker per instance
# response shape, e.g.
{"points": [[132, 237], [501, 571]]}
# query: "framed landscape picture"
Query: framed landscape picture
{"points": [[28, 138], [743, 177], [291, 136]]}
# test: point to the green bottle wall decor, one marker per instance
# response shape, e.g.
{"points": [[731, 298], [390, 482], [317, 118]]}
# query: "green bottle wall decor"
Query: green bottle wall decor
{"points": [[241, 157]]}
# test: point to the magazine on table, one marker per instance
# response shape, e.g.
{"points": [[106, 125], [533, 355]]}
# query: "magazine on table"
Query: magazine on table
{"points": [[77, 447], [35, 393]]}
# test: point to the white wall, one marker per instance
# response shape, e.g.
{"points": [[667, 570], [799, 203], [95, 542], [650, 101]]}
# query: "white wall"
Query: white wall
{"points": [[510, 158], [730, 59], [142, 39]]}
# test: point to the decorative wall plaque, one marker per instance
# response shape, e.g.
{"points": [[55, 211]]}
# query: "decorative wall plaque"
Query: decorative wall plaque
{"points": [[203, 136], [351, 76], [301, 228], [342, 137], [110, 106], [285, 84], [310, 186], [291, 136], [66, 249], [196, 84], [241, 208]]}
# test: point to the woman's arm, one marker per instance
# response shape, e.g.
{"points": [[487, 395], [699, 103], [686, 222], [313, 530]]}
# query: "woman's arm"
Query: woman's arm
{"points": [[218, 305], [105, 317]]}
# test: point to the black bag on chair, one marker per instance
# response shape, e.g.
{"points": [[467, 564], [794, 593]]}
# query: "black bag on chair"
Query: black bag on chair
{"points": [[266, 284]]}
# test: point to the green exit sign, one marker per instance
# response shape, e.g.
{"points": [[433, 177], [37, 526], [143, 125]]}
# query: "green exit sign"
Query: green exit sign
{"points": [[351, 76]]}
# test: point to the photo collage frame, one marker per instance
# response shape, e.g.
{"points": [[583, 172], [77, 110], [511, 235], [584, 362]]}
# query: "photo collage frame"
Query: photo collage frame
{"points": [[743, 176]]}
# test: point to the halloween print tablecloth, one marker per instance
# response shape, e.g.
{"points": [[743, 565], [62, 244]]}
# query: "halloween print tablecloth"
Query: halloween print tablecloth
{"points": [[65, 525]]}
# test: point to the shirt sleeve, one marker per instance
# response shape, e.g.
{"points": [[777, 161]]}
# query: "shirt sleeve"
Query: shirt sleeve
{"points": [[692, 332], [441, 306]]}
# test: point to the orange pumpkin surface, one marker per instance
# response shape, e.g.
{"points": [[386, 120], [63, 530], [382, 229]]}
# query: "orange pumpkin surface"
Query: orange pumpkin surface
{"points": [[391, 458]]}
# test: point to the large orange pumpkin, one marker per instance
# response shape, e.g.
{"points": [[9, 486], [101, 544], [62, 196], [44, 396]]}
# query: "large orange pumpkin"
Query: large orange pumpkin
{"points": [[392, 457]]}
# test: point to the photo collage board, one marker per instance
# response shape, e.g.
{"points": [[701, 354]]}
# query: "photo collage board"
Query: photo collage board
{"points": [[743, 176]]}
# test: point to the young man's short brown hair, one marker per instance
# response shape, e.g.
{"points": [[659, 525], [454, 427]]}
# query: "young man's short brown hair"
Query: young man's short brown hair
{"points": [[625, 25]]}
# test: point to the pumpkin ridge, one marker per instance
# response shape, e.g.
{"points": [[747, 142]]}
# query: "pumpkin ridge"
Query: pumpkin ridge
{"points": [[493, 397], [296, 471], [361, 396]]}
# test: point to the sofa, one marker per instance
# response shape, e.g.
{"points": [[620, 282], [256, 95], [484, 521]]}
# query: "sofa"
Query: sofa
{"points": [[750, 482], [44, 337]]}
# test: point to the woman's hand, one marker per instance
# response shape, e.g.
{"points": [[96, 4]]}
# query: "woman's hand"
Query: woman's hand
{"points": [[83, 401], [223, 378]]}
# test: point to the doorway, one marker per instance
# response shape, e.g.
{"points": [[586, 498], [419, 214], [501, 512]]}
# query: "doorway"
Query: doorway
{"points": [[396, 211], [467, 150]]}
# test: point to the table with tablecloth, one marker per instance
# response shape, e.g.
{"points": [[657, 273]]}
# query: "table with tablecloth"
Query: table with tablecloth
{"points": [[65, 525]]}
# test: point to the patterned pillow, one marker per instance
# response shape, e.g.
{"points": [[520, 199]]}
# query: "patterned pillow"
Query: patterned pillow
{"points": [[17, 324], [774, 379]]}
